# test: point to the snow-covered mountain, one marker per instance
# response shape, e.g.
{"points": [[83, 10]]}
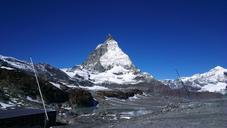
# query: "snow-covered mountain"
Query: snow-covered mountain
{"points": [[108, 64], [214, 80]]}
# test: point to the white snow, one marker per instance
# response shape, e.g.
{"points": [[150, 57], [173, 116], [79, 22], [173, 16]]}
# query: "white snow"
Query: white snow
{"points": [[95, 87], [32, 100], [213, 81], [219, 87], [125, 117], [114, 56], [69, 73], [98, 46], [79, 71], [117, 74], [16, 63], [135, 97], [56, 84], [214, 75], [8, 68], [6, 105]]}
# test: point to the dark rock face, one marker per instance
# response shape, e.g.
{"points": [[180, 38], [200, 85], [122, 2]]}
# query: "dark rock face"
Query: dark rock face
{"points": [[94, 58], [81, 98], [51, 73], [21, 84], [3, 97], [119, 94], [183, 92], [225, 73]]}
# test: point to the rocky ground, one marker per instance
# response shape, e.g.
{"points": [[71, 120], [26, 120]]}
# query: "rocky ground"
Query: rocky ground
{"points": [[148, 111]]}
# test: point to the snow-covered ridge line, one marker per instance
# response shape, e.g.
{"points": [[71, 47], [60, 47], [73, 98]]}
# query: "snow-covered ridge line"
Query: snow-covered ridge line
{"points": [[16, 63], [215, 80]]}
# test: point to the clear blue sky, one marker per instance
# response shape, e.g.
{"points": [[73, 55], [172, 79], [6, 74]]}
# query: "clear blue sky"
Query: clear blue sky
{"points": [[158, 35]]}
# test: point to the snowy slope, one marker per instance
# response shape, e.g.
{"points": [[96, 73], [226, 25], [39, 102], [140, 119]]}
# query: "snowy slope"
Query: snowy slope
{"points": [[114, 56], [214, 80], [11, 62], [108, 64]]}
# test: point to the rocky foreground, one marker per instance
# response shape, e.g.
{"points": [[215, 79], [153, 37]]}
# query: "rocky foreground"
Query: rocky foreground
{"points": [[151, 111]]}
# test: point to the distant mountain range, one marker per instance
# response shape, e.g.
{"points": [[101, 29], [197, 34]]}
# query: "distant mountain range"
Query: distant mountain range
{"points": [[108, 64], [214, 80]]}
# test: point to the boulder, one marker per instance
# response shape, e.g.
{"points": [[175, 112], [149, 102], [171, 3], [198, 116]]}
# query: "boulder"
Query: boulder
{"points": [[81, 98]]}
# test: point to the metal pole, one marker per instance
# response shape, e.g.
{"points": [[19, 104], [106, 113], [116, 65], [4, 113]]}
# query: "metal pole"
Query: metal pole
{"points": [[185, 88], [40, 92]]}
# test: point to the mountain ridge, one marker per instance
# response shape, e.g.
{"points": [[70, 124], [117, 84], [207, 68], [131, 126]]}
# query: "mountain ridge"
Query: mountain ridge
{"points": [[108, 64], [215, 80]]}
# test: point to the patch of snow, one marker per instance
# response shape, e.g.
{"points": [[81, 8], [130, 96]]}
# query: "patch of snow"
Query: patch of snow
{"points": [[56, 84], [67, 108], [95, 87], [32, 100], [80, 72], [117, 74], [8, 68], [135, 97], [69, 73], [125, 117], [6, 105], [98, 46]]}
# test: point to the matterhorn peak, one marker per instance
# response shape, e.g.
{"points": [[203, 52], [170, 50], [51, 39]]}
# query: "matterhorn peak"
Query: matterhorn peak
{"points": [[108, 63], [106, 56], [109, 37], [110, 42], [218, 68]]}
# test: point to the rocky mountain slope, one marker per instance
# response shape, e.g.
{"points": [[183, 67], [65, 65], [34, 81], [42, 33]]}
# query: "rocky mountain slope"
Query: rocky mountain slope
{"points": [[45, 71], [108, 64], [19, 88], [214, 80]]}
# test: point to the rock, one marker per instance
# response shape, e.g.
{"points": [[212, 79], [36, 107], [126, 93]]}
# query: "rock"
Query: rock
{"points": [[20, 84], [225, 73], [119, 94], [81, 98]]}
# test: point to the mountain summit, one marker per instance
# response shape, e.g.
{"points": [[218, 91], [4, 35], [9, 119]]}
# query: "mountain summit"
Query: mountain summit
{"points": [[106, 56], [108, 64]]}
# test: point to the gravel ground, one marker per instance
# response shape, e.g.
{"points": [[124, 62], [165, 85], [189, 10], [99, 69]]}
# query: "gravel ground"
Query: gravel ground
{"points": [[148, 111]]}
